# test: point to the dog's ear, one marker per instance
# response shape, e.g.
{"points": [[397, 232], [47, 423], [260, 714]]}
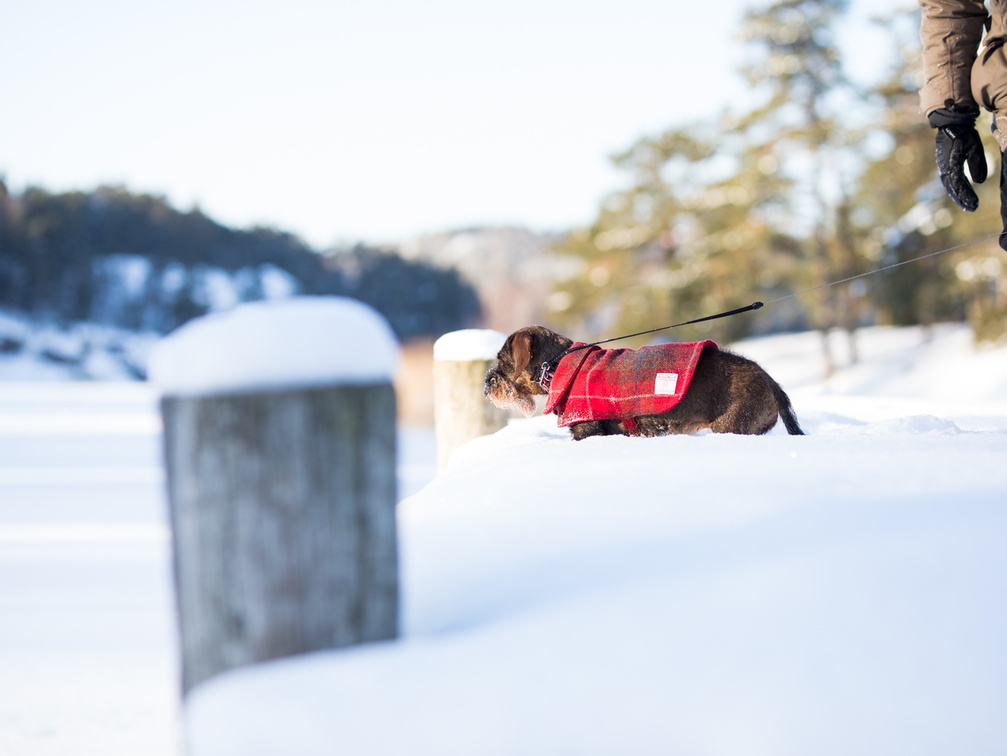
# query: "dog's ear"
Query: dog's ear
{"points": [[521, 348]]}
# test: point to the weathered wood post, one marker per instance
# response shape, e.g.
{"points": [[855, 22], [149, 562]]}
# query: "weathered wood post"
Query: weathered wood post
{"points": [[461, 412], [280, 446]]}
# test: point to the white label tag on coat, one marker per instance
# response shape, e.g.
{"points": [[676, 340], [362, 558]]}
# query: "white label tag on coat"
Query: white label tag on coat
{"points": [[665, 384]]}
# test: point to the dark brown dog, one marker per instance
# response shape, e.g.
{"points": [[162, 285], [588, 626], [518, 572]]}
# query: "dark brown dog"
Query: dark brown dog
{"points": [[728, 393]]}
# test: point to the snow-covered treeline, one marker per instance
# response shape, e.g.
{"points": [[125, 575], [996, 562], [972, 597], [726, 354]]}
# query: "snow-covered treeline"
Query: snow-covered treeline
{"points": [[114, 258]]}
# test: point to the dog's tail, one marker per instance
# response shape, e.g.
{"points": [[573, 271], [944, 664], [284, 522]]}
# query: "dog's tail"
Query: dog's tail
{"points": [[786, 410]]}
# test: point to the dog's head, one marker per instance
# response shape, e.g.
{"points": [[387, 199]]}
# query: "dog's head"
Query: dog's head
{"points": [[512, 383]]}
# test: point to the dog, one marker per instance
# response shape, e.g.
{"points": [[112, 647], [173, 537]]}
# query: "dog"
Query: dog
{"points": [[653, 391]]}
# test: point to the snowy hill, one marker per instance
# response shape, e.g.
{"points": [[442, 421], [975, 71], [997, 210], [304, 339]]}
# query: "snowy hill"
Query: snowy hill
{"points": [[839, 593], [30, 351]]}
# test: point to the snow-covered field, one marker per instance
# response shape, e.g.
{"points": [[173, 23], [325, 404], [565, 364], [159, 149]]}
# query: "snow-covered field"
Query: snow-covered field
{"points": [[840, 593], [88, 664], [87, 661]]}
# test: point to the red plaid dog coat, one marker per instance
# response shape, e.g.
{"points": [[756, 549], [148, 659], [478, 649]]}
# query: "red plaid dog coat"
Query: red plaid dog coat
{"points": [[622, 384]]}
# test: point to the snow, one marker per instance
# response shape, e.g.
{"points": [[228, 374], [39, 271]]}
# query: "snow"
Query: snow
{"points": [[832, 594], [30, 351], [468, 345], [276, 282], [276, 344], [88, 662], [836, 593], [87, 651]]}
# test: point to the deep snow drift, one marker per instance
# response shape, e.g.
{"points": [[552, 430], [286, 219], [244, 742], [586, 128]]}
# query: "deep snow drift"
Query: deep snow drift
{"points": [[836, 593], [831, 594]]}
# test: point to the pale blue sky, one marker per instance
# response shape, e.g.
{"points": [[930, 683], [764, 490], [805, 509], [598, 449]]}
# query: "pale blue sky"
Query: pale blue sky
{"points": [[344, 121]]}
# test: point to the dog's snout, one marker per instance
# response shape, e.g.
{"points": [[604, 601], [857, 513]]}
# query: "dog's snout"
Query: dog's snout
{"points": [[492, 376]]}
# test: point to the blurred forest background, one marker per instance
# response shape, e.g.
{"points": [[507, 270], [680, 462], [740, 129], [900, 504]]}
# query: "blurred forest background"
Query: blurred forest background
{"points": [[814, 179]]}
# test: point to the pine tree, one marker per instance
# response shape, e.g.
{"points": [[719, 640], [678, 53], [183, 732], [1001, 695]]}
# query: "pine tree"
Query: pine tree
{"points": [[796, 64], [818, 182]]}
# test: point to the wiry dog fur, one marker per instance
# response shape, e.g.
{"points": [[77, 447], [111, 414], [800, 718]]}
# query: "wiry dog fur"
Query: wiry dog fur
{"points": [[728, 393]]}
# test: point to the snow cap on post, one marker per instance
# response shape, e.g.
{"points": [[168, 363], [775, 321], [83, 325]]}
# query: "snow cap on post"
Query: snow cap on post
{"points": [[467, 345], [276, 345]]}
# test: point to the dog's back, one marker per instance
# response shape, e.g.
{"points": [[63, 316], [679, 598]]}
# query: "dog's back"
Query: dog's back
{"points": [[733, 394]]}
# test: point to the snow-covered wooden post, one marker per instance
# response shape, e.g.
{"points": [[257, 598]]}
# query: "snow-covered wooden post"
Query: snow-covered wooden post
{"points": [[280, 446], [461, 412]]}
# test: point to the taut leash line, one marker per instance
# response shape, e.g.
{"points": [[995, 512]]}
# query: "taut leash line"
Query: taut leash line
{"points": [[738, 311], [547, 369], [882, 270], [545, 372]]}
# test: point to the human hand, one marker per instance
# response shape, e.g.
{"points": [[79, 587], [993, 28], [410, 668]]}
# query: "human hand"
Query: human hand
{"points": [[958, 143]]}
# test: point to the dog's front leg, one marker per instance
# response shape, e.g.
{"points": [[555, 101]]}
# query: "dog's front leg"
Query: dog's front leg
{"points": [[580, 431]]}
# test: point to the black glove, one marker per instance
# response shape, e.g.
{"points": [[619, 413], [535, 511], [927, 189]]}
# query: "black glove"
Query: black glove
{"points": [[1003, 199], [958, 142]]}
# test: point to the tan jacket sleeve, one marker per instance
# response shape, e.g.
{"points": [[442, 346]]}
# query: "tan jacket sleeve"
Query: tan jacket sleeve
{"points": [[951, 31]]}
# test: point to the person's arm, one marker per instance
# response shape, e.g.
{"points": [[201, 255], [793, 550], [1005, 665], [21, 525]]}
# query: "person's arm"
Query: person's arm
{"points": [[951, 31]]}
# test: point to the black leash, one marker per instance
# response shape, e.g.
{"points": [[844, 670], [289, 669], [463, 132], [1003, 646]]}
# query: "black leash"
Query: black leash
{"points": [[753, 306], [548, 368]]}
